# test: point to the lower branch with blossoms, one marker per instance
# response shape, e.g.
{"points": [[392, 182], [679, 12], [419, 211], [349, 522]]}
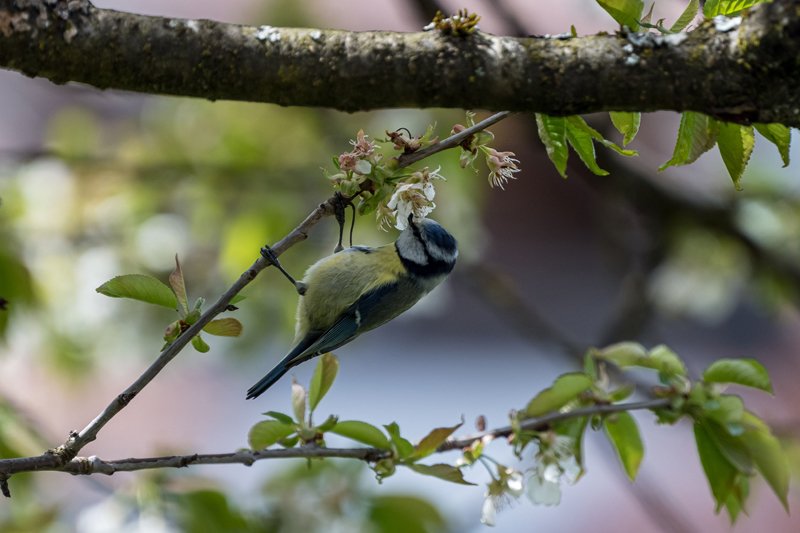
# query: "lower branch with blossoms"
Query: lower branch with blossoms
{"points": [[546, 435]]}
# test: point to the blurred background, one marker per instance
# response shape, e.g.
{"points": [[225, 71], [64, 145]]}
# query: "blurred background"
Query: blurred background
{"points": [[96, 184]]}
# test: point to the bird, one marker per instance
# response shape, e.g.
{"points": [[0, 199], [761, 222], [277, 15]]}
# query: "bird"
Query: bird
{"points": [[360, 288]]}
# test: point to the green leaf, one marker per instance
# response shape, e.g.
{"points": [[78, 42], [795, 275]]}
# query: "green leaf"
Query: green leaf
{"points": [[720, 473], [686, 17], [627, 123], [581, 141], [179, 286], [735, 146], [362, 432], [727, 410], [224, 327], [321, 381], [199, 344], [328, 424], [577, 123], [575, 429], [404, 514], [623, 354], [712, 8], [747, 372], [139, 287], [625, 12], [281, 417], [667, 362], [767, 455], [553, 133], [268, 432], [566, 388], [737, 497], [697, 134], [731, 447], [404, 448], [780, 136], [442, 471], [623, 433], [433, 440]]}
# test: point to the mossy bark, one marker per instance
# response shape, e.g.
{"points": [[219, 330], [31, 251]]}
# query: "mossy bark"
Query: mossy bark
{"points": [[742, 72]]}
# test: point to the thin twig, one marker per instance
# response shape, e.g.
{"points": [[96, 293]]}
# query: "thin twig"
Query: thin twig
{"points": [[451, 142]]}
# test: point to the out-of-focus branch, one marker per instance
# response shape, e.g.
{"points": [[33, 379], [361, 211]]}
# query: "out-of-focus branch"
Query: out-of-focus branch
{"points": [[739, 72]]}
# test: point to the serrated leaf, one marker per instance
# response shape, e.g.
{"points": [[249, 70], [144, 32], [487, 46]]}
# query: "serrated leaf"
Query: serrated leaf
{"points": [[627, 124], [224, 327], [268, 432], [298, 401], [734, 504], [780, 136], [581, 141], [553, 134], [362, 432], [404, 448], [566, 388], [199, 344], [323, 378], [442, 471], [178, 285], [433, 440], [747, 372], [686, 17], [735, 144], [720, 473], [712, 8], [697, 134], [767, 455], [139, 287], [625, 12], [280, 417], [577, 123], [623, 433]]}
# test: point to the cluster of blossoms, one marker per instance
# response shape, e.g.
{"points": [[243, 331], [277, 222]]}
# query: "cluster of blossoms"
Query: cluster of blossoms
{"points": [[356, 165], [394, 196], [502, 165], [555, 462], [414, 196]]}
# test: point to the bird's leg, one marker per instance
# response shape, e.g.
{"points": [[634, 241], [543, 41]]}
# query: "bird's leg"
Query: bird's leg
{"points": [[339, 205], [269, 255]]}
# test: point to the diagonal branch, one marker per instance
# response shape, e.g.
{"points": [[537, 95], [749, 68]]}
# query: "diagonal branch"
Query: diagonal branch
{"points": [[61, 457], [740, 71]]}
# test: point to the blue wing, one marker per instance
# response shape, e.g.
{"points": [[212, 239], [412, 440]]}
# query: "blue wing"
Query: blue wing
{"points": [[367, 312]]}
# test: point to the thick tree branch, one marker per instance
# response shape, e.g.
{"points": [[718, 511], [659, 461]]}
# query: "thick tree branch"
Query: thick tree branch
{"points": [[95, 465], [740, 72]]}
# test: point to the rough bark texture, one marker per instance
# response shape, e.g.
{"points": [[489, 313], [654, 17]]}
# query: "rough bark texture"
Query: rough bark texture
{"points": [[743, 72]]}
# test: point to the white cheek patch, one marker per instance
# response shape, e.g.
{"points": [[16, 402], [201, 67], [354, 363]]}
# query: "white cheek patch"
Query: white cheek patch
{"points": [[411, 249]]}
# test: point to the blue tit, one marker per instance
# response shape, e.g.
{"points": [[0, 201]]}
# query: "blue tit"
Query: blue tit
{"points": [[360, 288]]}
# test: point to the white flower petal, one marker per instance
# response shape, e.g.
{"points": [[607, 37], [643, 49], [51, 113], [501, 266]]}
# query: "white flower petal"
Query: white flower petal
{"points": [[488, 512], [543, 492]]}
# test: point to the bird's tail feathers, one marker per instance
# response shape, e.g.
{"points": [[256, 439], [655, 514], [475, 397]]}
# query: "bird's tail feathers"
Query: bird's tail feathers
{"points": [[293, 358]]}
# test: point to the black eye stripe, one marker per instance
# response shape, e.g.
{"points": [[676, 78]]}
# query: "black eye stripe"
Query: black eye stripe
{"points": [[418, 236]]}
